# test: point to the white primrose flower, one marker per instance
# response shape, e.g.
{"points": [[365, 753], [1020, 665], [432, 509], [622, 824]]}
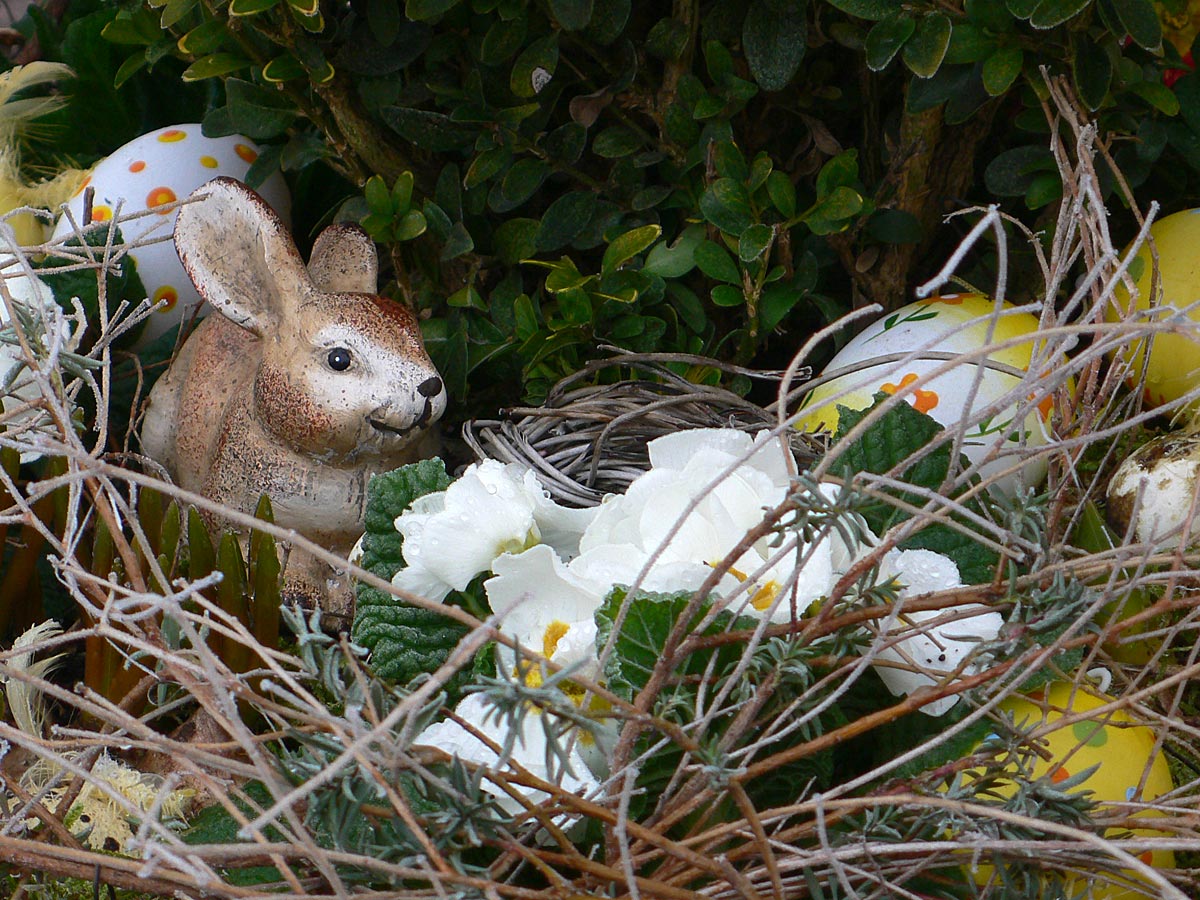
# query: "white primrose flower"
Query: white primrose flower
{"points": [[777, 578], [453, 535], [930, 654], [529, 752]]}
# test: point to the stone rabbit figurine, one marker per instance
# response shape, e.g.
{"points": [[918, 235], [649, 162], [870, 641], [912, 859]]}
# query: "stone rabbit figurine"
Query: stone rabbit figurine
{"points": [[304, 386]]}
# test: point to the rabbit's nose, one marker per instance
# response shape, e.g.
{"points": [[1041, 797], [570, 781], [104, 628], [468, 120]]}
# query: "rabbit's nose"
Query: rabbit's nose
{"points": [[430, 387]]}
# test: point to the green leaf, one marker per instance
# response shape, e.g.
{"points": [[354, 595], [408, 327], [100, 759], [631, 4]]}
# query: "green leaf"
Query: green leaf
{"points": [[257, 112], [175, 11], [520, 182], [886, 37], [754, 242], [628, 245], [214, 66], [841, 171], [405, 641], [1011, 173], [833, 214], [1022, 9], [572, 15], [673, 260], [424, 10], [615, 142], [925, 50], [1141, 21], [283, 68], [515, 240], [129, 68], [535, 62], [203, 39], [776, 302], [638, 645], [728, 295], [873, 10], [969, 44], [726, 204], [895, 226], [411, 225], [1157, 95], [1045, 188], [774, 38], [887, 445], [1001, 69], [1092, 70], [989, 14], [715, 262], [250, 7], [782, 193], [565, 219], [384, 20], [1052, 13], [428, 130], [502, 40]]}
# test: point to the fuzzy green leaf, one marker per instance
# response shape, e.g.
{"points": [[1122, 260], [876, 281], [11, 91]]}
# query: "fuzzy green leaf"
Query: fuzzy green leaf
{"points": [[887, 445], [404, 640]]}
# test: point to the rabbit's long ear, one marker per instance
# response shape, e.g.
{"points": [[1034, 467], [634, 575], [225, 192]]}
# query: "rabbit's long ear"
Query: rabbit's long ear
{"points": [[344, 261], [240, 255]]}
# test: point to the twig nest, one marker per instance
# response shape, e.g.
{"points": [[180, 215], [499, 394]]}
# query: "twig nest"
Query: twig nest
{"points": [[148, 175], [984, 394], [1173, 367], [1154, 491]]}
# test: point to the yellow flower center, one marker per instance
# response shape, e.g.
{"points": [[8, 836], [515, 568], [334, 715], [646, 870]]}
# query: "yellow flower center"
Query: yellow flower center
{"points": [[553, 634], [764, 595]]}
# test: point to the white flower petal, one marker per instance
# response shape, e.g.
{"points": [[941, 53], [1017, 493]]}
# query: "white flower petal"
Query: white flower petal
{"points": [[935, 652], [529, 751], [921, 571]]}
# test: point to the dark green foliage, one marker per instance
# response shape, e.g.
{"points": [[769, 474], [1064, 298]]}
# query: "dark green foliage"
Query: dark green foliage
{"points": [[808, 146]]}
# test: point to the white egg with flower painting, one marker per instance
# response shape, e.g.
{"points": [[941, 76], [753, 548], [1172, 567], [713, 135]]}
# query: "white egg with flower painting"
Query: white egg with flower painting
{"points": [[149, 174], [983, 394]]}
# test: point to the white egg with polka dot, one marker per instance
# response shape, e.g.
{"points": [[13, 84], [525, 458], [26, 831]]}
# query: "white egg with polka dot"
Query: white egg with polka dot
{"points": [[150, 173]]}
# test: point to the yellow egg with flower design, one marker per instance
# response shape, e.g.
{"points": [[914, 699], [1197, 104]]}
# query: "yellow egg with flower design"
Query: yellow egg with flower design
{"points": [[985, 349], [1173, 367], [1072, 731]]}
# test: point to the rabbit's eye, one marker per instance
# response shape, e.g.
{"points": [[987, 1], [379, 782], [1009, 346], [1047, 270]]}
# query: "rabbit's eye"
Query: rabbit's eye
{"points": [[339, 359]]}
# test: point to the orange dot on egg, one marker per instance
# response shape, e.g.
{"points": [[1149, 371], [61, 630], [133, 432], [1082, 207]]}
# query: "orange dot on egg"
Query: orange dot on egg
{"points": [[172, 136], [101, 213], [137, 165], [83, 186], [158, 197], [169, 294], [209, 162], [248, 154]]}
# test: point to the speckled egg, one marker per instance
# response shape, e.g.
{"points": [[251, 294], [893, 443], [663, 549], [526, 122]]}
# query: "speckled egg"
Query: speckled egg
{"points": [[1174, 366], [1129, 766], [153, 171], [951, 323]]}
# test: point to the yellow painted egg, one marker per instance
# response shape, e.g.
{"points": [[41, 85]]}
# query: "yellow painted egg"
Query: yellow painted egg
{"points": [[947, 324], [1129, 767], [1174, 366], [149, 173]]}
